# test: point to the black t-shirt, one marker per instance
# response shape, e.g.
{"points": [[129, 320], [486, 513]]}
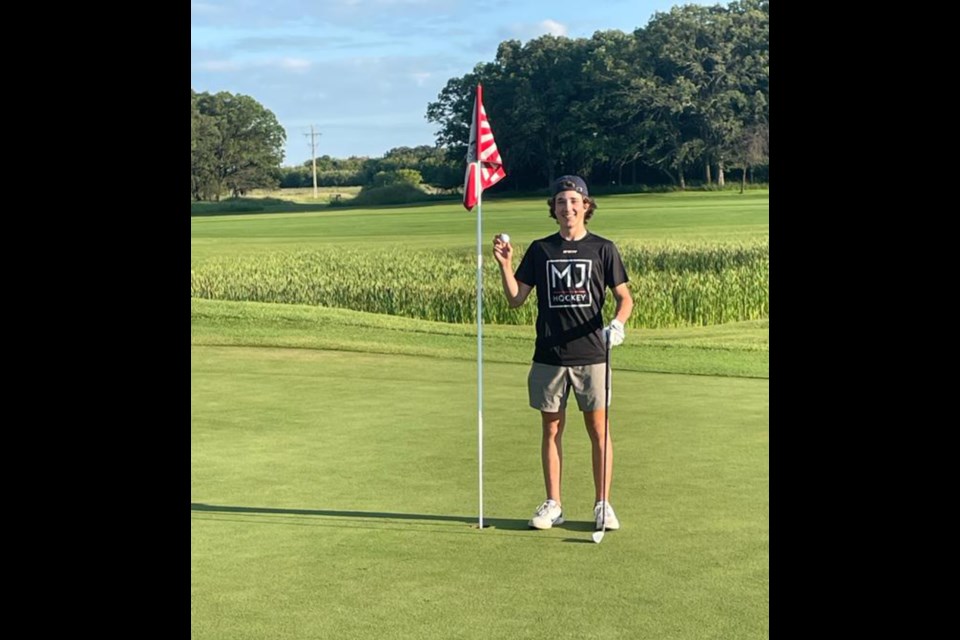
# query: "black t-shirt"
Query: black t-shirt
{"points": [[571, 279]]}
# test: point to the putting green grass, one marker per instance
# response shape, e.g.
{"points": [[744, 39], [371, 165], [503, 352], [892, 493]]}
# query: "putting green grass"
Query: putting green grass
{"points": [[335, 495]]}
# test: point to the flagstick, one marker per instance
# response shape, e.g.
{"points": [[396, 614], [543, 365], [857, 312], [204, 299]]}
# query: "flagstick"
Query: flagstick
{"points": [[479, 336]]}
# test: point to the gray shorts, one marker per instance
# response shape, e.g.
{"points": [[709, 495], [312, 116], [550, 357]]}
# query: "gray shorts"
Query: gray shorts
{"points": [[549, 385]]}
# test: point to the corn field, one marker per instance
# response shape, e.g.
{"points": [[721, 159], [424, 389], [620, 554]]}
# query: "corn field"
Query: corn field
{"points": [[672, 285]]}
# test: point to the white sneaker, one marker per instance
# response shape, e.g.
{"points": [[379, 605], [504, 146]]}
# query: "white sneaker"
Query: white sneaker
{"points": [[611, 523], [547, 515]]}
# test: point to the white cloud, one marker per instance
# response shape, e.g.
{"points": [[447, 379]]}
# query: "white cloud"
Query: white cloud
{"points": [[293, 64], [529, 31], [297, 65], [553, 27]]}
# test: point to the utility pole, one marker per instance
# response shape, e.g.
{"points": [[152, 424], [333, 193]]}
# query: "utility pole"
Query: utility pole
{"points": [[313, 154]]}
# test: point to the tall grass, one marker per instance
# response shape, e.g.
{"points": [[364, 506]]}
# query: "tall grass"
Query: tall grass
{"points": [[673, 285]]}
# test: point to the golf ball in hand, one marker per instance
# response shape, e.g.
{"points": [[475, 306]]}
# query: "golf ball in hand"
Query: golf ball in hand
{"points": [[504, 237]]}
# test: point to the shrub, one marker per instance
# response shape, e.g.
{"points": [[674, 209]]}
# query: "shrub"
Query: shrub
{"points": [[397, 193]]}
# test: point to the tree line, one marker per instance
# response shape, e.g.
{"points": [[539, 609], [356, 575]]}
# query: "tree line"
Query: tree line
{"points": [[685, 95], [424, 163], [684, 98]]}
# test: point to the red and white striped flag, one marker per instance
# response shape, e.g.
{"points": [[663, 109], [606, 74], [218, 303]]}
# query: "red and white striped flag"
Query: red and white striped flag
{"points": [[482, 156]]}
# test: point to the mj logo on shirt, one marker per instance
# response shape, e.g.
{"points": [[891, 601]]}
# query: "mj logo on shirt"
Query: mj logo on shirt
{"points": [[568, 283]]}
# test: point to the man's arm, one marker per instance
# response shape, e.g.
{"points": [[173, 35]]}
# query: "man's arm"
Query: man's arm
{"points": [[615, 331], [621, 294]]}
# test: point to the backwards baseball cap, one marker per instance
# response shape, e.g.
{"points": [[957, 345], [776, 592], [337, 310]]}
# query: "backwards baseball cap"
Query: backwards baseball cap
{"points": [[569, 183]]}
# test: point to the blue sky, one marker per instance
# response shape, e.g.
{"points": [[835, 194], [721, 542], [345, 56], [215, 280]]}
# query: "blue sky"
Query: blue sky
{"points": [[362, 72]]}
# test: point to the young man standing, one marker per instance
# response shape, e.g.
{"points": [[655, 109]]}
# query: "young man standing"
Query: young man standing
{"points": [[571, 271]]}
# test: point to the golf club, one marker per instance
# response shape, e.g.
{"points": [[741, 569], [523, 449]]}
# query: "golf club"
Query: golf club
{"points": [[598, 535]]}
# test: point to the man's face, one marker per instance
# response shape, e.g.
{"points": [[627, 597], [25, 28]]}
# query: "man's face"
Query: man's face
{"points": [[570, 209]]}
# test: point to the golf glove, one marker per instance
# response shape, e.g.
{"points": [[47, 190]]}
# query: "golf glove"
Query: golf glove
{"points": [[614, 332]]}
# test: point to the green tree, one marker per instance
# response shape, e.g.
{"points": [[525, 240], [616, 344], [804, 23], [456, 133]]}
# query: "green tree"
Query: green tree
{"points": [[713, 64], [752, 149], [542, 94], [749, 31], [204, 140], [247, 149], [626, 113], [410, 177], [535, 96], [430, 162], [452, 111]]}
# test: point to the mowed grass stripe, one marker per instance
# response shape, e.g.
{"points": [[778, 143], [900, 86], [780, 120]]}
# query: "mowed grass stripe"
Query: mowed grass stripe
{"points": [[736, 349], [710, 216]]}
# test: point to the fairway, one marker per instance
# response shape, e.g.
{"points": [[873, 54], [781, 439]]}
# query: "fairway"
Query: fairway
{"points": [[725, 215], [335, 495]]}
